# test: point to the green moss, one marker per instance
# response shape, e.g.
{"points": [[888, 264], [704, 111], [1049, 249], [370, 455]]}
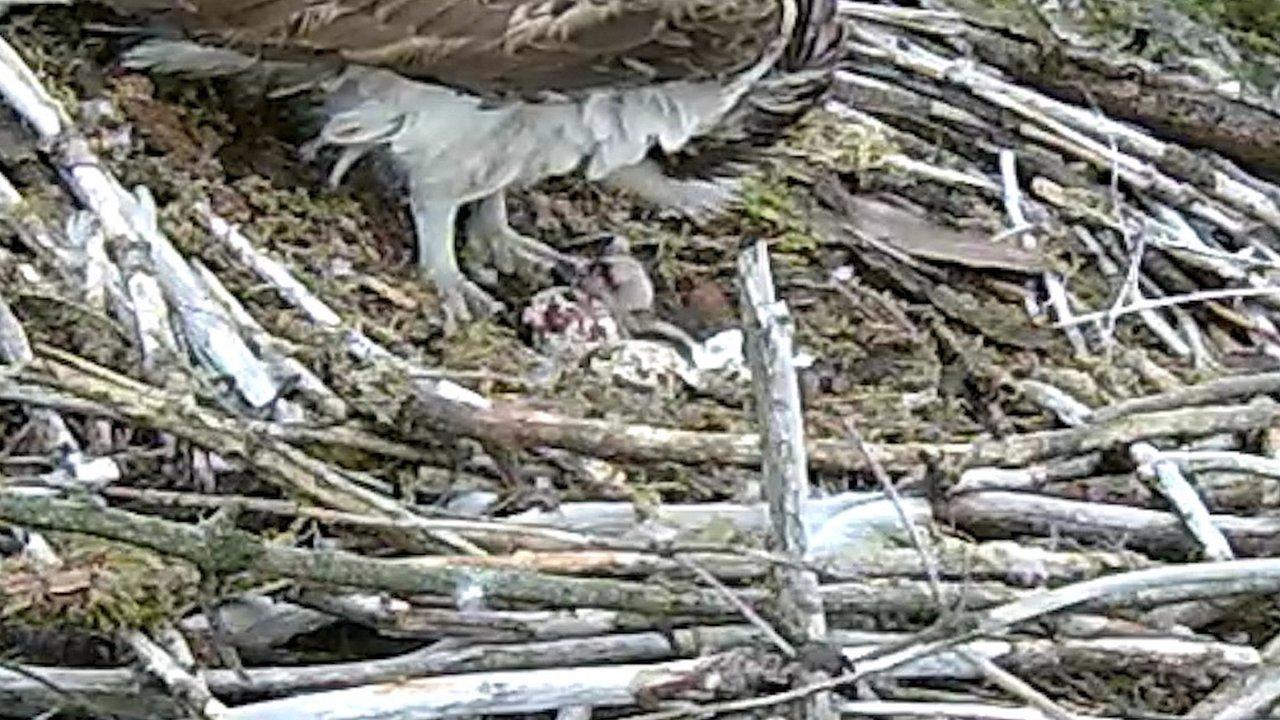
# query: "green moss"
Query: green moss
{"points": [[100, 588], [771, 212], [840, 144], [1257, 21]]}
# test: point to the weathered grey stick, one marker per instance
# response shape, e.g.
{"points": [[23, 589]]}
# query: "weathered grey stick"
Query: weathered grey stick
{"points": [[190, 691], [220, 549], [116, 396], [1115, 589], [999, 514], [1176, 657], [1171, 483], [124, 215], [513, 692], [16, 350], [1213, 391], [771, 353], [947, 711], [1246, 695], [516, 426]]}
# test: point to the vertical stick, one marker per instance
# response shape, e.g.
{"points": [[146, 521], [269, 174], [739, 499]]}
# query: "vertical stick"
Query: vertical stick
{"points": [[786, 465]]}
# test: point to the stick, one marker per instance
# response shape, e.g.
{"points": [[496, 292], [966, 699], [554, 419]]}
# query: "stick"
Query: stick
{"points": [[1219, 390], [1236, 462], [920, 542], [1172, 657], [1172, 301], [221, 550], [15, 349], [1182, 496], [747, 611], [505, 692], [992, 514], [1113, 589], [950, 711], [230, 436], [1018, 219], [785, 471], [188, 690], [125, 215], [1247, 695]]}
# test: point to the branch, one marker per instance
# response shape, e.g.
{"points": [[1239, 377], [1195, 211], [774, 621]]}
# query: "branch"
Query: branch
{"points": [[785, 471], [515, 692], [223, 550], [190, 691], [1184, 499]]}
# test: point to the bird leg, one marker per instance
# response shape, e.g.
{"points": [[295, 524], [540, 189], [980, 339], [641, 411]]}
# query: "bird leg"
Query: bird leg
{"points": [[462, 299], [507, 249]]}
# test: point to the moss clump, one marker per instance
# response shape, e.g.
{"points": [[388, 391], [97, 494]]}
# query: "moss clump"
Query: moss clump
{"points": [[771, 212], [1258, 20], [99, 588], [839, 144]]}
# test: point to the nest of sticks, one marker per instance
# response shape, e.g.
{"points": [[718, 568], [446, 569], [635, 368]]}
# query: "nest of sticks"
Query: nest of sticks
{"points": [[1000, 440]]}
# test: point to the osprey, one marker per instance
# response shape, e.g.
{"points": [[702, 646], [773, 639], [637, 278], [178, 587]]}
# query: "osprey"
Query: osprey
{"points": [[468, 97]]}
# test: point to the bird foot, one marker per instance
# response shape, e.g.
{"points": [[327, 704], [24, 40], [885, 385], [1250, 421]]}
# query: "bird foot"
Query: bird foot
{"points": [[511, 253], [462, 301]]}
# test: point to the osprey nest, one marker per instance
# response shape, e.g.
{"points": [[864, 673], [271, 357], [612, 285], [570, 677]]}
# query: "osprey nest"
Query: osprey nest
{"points": [[964, 406]]}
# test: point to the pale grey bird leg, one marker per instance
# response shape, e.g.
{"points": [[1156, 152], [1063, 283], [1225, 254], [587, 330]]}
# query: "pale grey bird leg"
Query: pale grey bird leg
{"points": [[462, 299], [507, 249]]}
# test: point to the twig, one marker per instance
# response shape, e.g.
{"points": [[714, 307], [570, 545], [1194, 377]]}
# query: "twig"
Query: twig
{"points": [[1009, 514], [117, 396], [1130, 289], [500, 693], [326, 400], [785, 470], [1171, 657], [1219, 390], [526, 428], [1153, 320], [947, 711], [928, 558], [1017, 687], [221, 550], [747, 611], [1182, 496], [1052, 281], [1069, 410], [131, 216], [1112, 589], [190, 691], [919, 541], [483, 528], [1209, 460], [1171, 301], [1246, 695]]}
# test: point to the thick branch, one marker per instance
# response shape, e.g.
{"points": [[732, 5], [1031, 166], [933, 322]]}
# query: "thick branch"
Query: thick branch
{"points": [[227, 550]]}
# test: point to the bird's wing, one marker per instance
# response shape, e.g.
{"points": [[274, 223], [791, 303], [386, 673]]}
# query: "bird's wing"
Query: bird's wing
{"points": [[493, 46]]}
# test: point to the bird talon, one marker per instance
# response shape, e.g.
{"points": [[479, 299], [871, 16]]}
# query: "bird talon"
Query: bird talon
{"points": [[513, 254], [463, 302]]}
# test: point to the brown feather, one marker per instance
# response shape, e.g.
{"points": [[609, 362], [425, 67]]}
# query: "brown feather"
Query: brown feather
{"points": [[493, 47]]}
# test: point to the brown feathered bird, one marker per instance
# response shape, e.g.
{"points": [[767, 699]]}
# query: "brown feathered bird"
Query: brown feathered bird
{"points": [[668, 98]]}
